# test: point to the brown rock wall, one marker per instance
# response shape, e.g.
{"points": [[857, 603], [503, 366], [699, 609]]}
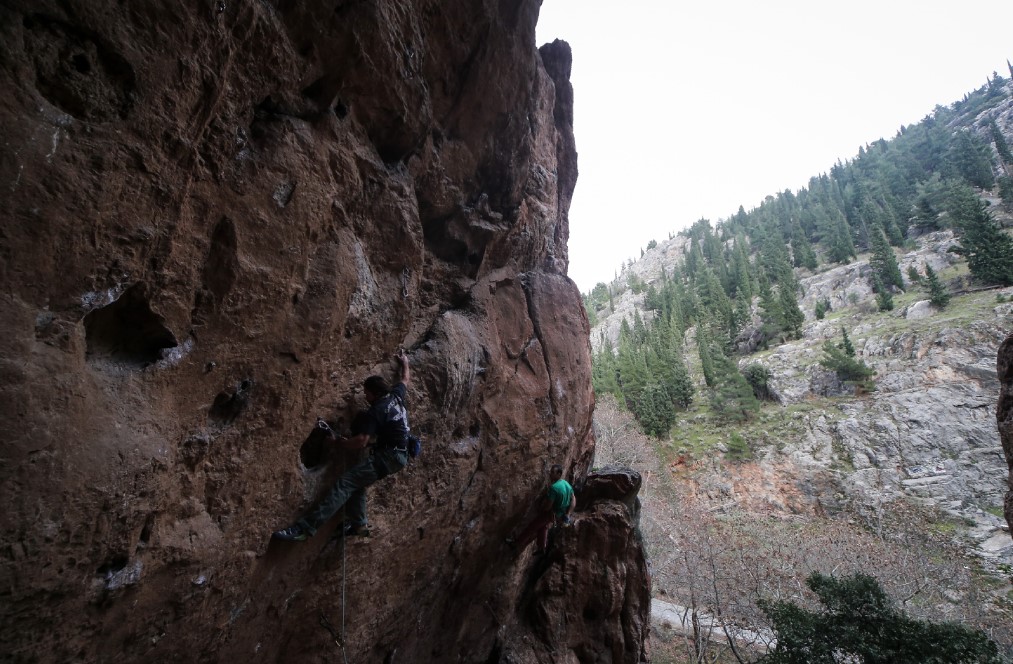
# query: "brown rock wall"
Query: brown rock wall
{"points": [[1004, 417], [218, 218]]}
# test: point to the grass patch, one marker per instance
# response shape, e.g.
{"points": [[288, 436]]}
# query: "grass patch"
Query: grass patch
{"points": [[947, 526], [843, 461], [996, 511], [699, 434]]}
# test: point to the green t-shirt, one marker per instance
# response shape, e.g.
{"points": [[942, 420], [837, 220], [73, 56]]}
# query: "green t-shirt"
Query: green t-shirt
{"points": [[560, 493]]}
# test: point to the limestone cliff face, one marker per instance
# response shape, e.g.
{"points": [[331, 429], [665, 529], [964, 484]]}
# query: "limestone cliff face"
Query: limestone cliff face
{"points": [[218, 218], [926, 433]]}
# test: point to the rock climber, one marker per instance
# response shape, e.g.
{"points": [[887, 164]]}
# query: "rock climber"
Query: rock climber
{"points": [[555, 506], [387, 420]]}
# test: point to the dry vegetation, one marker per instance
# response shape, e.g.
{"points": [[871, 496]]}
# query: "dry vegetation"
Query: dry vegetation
{"points": [[715, 553]]}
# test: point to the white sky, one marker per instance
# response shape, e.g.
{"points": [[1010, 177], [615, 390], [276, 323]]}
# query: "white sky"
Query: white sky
{"points": [[689, 109]]}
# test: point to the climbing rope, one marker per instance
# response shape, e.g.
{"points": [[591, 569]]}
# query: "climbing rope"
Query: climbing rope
{"points": [[343, 540], [339, 639]]}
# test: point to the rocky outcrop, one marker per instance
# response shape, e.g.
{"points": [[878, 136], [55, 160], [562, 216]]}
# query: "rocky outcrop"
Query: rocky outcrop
{"points": [[588, 595], [218, 219], [1004, 417]]}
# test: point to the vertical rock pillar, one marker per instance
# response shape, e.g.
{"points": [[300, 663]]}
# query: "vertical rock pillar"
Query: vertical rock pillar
{"points": [[1004, 417]]}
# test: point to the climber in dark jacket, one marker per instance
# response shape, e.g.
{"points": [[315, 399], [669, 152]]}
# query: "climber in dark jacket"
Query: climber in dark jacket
{"points": [[387, 420]]}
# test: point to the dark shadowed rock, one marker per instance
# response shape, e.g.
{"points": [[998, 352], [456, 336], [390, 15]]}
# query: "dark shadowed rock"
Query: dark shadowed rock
{"points": [[1004, 417], [611, 483]]}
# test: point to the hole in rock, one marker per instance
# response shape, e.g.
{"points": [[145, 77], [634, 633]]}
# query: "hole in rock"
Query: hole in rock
{"points": [[113, 565], [77, 71], [316, 90], [313, 453], [222, 264], [127, 331], [341, 110], [149, 524], [227, 407], [81, 63]]}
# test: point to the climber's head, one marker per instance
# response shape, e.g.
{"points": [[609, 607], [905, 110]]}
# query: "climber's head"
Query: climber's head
{"points": [[375, 387]]}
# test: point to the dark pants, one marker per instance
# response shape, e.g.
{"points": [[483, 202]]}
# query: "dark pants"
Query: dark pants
{"points": [[539, 527], [351, 488]]}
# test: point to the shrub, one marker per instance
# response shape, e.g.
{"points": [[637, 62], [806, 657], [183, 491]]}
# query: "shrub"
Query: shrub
{"points": [[857, 623], [758, 377]]}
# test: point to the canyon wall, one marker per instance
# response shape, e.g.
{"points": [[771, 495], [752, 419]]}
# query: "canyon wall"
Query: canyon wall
{"points": [[218, 218]]}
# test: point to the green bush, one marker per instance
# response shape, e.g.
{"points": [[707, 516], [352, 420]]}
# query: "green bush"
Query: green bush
{"points": [[738, 448], [758, 377], [858, 623]]}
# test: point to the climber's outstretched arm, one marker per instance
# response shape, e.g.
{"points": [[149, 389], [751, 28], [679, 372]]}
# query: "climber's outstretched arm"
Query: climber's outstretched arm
{"points": [[406, 372]]}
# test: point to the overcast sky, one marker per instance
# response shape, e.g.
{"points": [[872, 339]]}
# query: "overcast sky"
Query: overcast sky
{"points": [[689, 109]]}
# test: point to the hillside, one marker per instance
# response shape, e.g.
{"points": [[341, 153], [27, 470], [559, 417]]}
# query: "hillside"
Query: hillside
{"points": [[904, 469]]}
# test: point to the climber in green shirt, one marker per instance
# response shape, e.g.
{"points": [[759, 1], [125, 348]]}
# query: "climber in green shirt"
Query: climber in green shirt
{"points": [[556, 506]]}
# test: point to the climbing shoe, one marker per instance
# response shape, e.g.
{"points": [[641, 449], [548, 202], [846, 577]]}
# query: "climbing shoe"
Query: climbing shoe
{"points": [[291, 534], [352, 530]]}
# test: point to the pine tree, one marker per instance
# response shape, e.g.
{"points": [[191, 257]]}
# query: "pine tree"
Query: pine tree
{"points": [[654, 411], [842, 248], [969, 158], [740, 270], [694, 259], [846, 345], [1006, 192], [652, 299], [929, 201], [675, 378], [988, 250], [732, 398], [858, 623], [801, 250], [884, 299], [706, 357], [740, 315], [791, 316], [1001, 146], [604, 371], [840, 358], [713, 299], [884, 262], [938, 295], [770, 308], [639, 328]]}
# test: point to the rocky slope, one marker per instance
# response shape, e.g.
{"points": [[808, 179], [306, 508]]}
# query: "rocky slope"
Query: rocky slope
{"points": [[219, 218], [927, 433]]}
